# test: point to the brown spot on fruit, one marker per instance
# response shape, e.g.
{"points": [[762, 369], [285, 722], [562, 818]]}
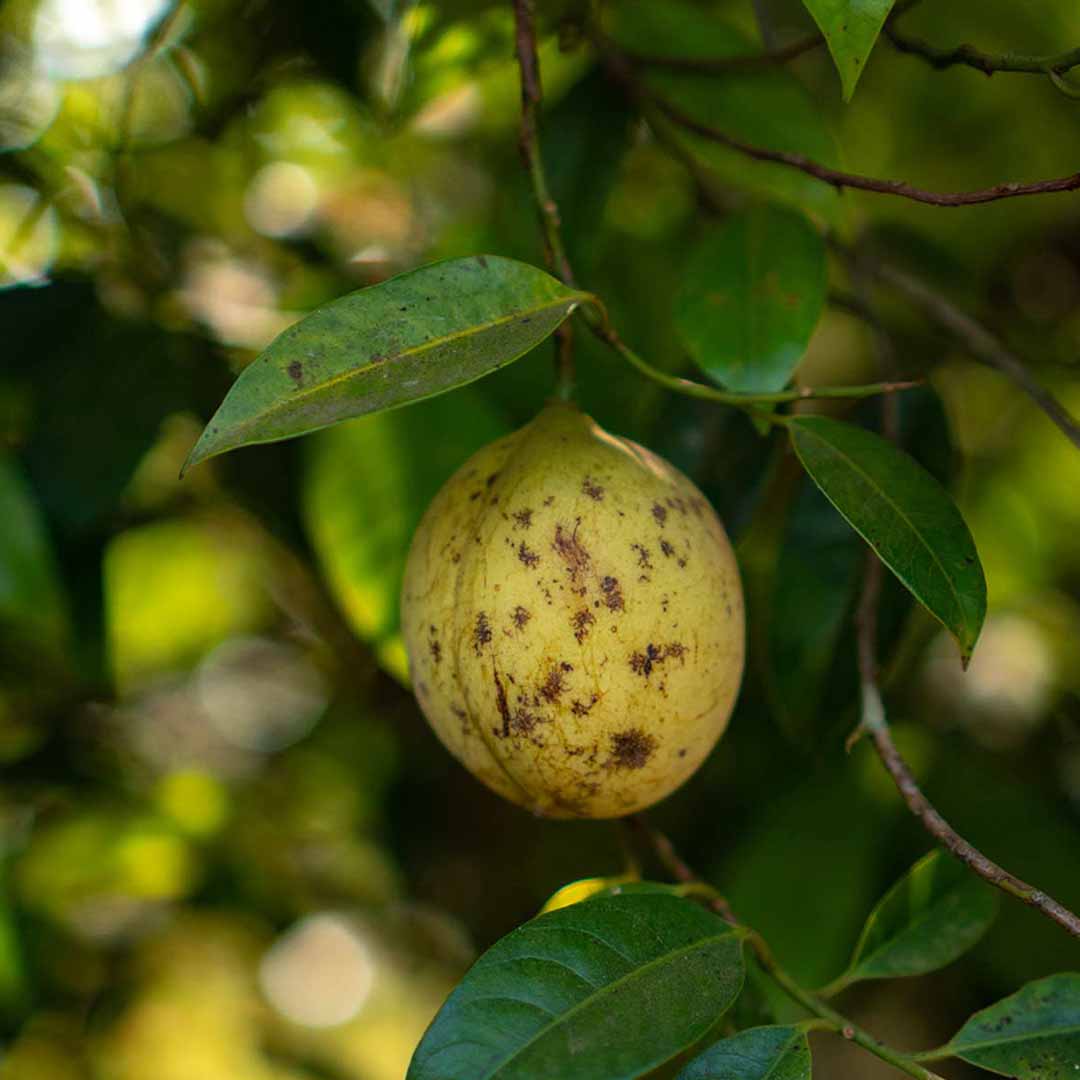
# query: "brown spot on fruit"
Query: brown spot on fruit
{"points": [[296, 371], [667, 549], [573, 553], [520, 617], [642, 663], [527, 556], [631, 749], [581, 622], [580, 708], [553, 686], [481, 632], [523, 721], [642, 556], [523, 518], [491, 479], [659, 513], [504, 708], [591, 488], [436, 651], [549, 501], [612, 591]]}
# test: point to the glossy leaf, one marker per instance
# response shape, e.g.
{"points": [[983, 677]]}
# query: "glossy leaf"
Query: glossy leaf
{"points": [[607, 989], [414, 336], [32, 606], [850, 27], [751, 295], [1032, 1035], [904, 514], [936, 912], [366, 485], [762, 1053]]}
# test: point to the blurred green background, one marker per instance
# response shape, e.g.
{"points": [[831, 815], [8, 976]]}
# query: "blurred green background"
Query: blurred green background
{"points": [[230, 848]]}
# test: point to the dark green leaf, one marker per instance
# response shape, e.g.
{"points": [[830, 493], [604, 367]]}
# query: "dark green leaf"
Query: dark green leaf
{"points": [[32, 606], [770, 108], [602, 990], [752, 293], [813, 586], [366, 485], [1032, 1035], [929, 918], [414, 336], [763, 1053], [904, 514], [850, 27]]}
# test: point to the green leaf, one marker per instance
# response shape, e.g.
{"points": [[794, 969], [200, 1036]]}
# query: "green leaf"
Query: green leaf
{"points": [[414, 336], [607, 989], [769, 108], [904, 514], [815, 578], [850, 27], [32, 605], [366, 485], [936, 912], [762, 1053], [1032, 1035], [752, 293]]}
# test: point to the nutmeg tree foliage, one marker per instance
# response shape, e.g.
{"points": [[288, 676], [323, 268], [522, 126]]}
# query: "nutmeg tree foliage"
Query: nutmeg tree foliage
{"points": [[822, 255]]}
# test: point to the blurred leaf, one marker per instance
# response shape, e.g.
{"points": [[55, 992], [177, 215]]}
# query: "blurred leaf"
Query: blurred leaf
{"points": [[928, 919], [850, 27], [751, 295], [814, 582], [414, 336], [566, 994], [770, 108], [1032, 1035], [174, 590], [584, 141], [761, 1053], [32, 604], [903, 514], [367, 484]]}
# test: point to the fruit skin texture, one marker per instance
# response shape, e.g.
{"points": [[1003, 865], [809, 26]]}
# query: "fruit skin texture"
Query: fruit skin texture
{"points": [[574, 620]]}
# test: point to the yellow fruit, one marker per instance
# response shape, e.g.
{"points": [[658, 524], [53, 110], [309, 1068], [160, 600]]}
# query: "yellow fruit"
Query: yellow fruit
{"points": [[574, 620]]}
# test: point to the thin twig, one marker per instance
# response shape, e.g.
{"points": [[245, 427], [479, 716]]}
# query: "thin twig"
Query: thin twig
{"points": [[529, 147], [839, 179], [874, 723], [979, 341], [987, 63], [830, 1018]]}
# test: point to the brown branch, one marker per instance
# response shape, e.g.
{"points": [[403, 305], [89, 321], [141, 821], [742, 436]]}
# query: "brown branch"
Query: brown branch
{"points": [[529, 147], [979, 341], [811, 1002], [874, 723], [722, 65], [839, 179], [987, 63]]}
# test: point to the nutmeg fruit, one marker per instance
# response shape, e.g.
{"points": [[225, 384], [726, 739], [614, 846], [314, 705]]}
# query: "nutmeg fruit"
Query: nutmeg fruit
{"points": [[574, 620]]}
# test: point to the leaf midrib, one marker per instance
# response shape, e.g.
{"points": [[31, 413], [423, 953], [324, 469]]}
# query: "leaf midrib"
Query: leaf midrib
{"points": [[873, 483], [1072, 1029], [611, 987], [285, 404], [910, 927]]}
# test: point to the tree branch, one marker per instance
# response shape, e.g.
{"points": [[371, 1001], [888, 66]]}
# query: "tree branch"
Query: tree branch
{"points": [[839, 179], [979, 341], [529, 147], [831, 1019], [987, 63]]}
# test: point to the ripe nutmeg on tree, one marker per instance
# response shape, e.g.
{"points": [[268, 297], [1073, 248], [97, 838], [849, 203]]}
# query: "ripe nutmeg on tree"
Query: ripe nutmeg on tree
{"points": [[574, 620]]}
